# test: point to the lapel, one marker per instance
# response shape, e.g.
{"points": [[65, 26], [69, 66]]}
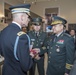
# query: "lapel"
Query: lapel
{"points": [[58, 38], [34, 34], [40, 34]]}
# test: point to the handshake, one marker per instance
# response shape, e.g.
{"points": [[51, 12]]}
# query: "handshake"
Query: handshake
{"points": [[34, 52]]}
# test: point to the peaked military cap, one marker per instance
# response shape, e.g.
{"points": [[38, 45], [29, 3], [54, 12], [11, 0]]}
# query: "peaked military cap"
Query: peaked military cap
{"points": [[58, 20], [37, 21], [20, 8]]}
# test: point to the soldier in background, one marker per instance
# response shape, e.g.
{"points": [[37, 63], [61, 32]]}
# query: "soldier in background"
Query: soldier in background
{"points": [[38, 38], [73, 34], [60, 49], [73, 70], [65, 30]]}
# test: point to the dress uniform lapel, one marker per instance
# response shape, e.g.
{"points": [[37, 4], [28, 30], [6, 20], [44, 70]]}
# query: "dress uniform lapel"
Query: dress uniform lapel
{"points": [[34, 34], [57, 38], [39, 35]]}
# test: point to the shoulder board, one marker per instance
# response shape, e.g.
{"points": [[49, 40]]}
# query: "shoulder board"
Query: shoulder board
{"points": [[20, 33], [67, 35]]}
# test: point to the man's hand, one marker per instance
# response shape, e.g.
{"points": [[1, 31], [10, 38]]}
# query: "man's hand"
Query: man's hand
{"points": [[37, 50], [37, 57], [34, 52], [66, 74]]}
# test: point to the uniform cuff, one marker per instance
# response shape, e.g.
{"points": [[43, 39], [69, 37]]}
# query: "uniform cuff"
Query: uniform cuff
{"points": [[68, 68]]}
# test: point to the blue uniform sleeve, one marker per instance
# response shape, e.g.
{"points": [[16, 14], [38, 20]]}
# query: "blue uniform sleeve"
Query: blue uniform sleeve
{"points": [[23, 52], [1, 53]]}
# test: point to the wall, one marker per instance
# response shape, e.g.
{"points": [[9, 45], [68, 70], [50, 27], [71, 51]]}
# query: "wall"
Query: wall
{"points": [[67, 8], [1, 8], [11, 2]]}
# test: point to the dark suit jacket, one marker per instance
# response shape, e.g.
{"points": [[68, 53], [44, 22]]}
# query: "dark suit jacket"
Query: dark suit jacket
{"points": [[7, 41]]}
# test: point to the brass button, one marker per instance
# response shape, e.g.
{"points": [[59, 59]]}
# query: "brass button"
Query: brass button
{"points": [[50, 52], [49, 57], [48, 61], [37, 45], [47, 47]]}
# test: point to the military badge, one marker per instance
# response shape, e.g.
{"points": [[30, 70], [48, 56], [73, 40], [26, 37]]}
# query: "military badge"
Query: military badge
{"points": [[60, 41], [32, 39], [32, 43], [58, 50], [44, 48]]}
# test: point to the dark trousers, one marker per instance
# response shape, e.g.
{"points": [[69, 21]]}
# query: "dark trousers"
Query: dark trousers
{"points": [[40, 67]]}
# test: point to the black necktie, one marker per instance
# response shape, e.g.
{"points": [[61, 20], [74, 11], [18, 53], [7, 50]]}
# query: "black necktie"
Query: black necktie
{"points": [[37, 35]]}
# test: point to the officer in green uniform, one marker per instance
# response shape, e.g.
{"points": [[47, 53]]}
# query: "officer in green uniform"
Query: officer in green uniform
{"points": [[60, 49], [38, 38]]}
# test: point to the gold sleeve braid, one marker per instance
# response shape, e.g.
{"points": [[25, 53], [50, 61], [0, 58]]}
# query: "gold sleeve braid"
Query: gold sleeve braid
{"points": [[68, 66]]}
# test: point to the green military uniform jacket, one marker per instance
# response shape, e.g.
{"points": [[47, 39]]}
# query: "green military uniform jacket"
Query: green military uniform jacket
{"points": [[60, 54], [38, 42]]}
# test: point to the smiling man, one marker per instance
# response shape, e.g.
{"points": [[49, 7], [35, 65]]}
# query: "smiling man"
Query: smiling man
{"points": [[61, 49]]}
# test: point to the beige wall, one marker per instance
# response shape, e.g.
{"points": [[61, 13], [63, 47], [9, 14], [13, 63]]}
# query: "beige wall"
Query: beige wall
{"points": [[1, 8], [67, 8], [11, 2]]}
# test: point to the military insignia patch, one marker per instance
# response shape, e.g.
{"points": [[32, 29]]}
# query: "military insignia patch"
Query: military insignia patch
{"points": [[32, 39], [60, 41], [32, 43], [44, 48]]}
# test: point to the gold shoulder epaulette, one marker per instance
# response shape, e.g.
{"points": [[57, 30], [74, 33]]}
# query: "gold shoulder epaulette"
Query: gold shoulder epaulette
{"points": [[20, 33], [67, 34]]}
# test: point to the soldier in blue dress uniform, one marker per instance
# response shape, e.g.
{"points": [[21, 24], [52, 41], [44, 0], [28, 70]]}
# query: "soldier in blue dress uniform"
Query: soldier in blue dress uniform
{"points": [[14, 44], [60, 49], [38, 38]]}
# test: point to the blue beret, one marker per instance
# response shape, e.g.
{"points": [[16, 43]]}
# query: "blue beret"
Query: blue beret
{"points": [[58, 20], [37, 21], [49, 27], [20, 8]]}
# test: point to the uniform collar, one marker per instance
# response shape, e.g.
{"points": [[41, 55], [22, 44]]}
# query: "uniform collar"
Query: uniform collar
{"points": [[17, 24], [59, 34]]}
